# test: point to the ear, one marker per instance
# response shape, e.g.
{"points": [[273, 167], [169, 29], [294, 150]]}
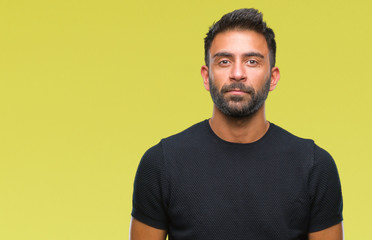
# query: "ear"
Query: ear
{"points": [[275, 76], [205, 75]]}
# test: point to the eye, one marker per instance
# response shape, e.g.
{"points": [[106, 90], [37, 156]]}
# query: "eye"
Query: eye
{"points": [[224, 62], [252, 62]]}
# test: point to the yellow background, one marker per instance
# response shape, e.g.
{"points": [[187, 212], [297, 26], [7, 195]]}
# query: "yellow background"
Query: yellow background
{"points": [[87, 86]]}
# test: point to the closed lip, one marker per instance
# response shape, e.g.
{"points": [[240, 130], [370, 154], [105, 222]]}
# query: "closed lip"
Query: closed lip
{"points": [[236, 91]]}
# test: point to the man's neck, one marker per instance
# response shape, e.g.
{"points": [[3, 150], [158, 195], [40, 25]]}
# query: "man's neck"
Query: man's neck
{"points": [[239, 130]]}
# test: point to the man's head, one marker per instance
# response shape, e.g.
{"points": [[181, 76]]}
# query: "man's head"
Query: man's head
{"points": [[239, 70], [241, 19]]}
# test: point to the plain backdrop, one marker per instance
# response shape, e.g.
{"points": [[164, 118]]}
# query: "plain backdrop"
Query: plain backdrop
{"points": [[86, 87]]}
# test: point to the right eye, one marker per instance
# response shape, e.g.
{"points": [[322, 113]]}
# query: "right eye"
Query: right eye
{"points": [[224, 62]]}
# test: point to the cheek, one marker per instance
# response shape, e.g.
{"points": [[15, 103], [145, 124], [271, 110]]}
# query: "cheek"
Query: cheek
{"points": [[257, 77], [218, 78], [223, 74]]}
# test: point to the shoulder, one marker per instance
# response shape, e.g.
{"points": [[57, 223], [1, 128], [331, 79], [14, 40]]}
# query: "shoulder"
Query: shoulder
{"points": [[188, 137], [281, 134], [180, 138], [191, 131], [175, 145], [290, 143], [151, 162], [318, 159], [311, 155], [323, 162]]}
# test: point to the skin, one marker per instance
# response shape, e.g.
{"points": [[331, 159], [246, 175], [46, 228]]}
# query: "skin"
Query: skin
{"points": [[335, 232], [237, 56], [239, 65], [141, 231]]}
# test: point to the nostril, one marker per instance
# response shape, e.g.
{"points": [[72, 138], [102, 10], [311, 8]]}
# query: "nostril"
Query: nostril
{"points": [[238, 77]]}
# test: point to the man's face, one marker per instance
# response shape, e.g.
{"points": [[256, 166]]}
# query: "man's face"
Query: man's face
{"points": [[239, 76]]}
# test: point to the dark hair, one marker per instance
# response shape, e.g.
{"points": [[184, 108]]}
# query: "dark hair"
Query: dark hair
{"points": [[241, 19]]}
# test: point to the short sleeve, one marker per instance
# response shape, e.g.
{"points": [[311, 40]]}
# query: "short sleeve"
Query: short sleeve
{"points": [[325, 192], [149, 194]]}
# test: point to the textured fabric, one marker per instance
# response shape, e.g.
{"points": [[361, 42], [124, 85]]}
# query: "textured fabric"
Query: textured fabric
{"points": [[198, 186]]}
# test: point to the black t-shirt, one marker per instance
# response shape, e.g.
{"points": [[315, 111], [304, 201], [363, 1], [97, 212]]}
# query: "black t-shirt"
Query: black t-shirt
{"points": [[198, 186]]}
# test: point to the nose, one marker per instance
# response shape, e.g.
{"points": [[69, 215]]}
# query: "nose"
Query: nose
{"points": [[238, 72]]}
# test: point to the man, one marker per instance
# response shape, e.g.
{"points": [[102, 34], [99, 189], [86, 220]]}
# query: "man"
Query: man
{"points": [[236, 175]]}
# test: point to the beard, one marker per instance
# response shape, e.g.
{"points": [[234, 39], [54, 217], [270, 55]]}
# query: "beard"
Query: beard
{"points": [[239, 106]]}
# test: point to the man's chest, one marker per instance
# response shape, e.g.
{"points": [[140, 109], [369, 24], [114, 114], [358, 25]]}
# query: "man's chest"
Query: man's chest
{"points": [[220, 195]]}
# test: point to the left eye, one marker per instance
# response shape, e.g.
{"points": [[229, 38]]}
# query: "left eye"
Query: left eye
{"points": [[252, 61]]}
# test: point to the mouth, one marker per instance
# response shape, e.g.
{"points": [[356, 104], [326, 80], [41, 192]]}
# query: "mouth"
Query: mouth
{"points": [[236, 91]]}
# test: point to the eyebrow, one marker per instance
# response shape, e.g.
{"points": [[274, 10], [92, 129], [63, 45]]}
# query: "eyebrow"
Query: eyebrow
{"points": [[249, 54]]}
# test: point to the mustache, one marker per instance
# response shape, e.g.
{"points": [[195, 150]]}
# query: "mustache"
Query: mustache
{"points": [[238, 86]]}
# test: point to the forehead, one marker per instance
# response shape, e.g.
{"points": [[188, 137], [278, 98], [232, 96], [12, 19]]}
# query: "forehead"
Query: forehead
{"points": [[239, 42]]}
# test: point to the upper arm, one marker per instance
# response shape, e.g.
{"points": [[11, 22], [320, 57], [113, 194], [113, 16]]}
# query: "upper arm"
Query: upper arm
{"points": [[325, 192], [141, 231], [332, 233], [150, 190]]}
